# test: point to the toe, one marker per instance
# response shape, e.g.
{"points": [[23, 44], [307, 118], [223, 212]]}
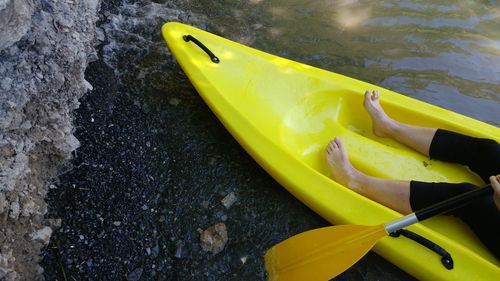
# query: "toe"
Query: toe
{"points": [[332, 144], [338, 141], [367, 95], [329, 147], [341, 146]]}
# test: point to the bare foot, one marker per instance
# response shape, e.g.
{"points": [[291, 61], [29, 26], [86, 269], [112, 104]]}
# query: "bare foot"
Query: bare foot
{"points": [[342, 170], [381, 123]]}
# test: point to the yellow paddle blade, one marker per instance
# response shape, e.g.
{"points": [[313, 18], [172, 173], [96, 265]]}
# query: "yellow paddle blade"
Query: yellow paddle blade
{"points": [[321, 254]]}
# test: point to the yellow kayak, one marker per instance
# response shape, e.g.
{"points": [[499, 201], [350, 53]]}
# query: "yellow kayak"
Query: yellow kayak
{"points": [[284, 113]]}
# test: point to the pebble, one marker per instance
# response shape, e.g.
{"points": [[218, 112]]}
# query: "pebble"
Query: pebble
{"points": [[3, 202], [155, 250], [174, 101], [229, 200], [214, 238], [135, 275], [205, 204], [117, 223], [257, 26], [178, 250], [14, 210], [6, 83], [42, 235], [243, 259]]}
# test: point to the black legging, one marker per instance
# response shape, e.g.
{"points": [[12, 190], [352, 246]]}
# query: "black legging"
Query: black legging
{"points": [[482, 156]]}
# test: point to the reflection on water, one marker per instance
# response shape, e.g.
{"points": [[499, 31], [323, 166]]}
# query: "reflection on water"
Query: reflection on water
{"points": [[447, 54]]}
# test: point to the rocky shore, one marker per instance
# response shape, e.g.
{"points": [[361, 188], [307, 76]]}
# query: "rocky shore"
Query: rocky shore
{"points": [[45, 46]]}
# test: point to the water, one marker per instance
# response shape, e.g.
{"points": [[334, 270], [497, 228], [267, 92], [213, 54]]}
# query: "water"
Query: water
{"points": [[447, 54]]}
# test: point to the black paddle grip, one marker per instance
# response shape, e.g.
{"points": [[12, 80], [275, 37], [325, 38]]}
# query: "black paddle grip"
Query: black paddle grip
{"points": [[213, 57], [453, 203]]}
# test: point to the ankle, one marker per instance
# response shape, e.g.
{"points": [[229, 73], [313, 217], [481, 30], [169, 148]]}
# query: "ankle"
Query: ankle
{"points": [[356, 180]]}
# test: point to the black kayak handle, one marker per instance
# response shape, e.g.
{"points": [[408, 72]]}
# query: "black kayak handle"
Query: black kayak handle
{"points": [[446, 258], [213, 57]]}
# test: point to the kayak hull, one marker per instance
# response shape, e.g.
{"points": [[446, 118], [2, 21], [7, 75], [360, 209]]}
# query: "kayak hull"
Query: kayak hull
{"points": [[283, 113]]}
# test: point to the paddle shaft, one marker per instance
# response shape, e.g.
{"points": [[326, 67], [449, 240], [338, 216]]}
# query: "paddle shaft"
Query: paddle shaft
{"points": [[439, 208]]}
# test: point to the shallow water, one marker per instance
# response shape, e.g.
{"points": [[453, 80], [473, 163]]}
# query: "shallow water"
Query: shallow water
{"points": [[181, 161]]}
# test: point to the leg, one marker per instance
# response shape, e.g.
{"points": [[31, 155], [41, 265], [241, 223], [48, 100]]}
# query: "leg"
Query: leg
{"points": [[495, 183], [482, 215], [418, 138], [391, 193], [481, 155]]}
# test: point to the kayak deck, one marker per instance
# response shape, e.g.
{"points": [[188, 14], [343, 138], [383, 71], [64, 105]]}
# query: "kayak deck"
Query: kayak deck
{"points": [[284, 113]]}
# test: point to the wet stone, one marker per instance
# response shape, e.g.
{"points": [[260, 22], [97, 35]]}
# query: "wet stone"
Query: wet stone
{"points": [[178, 250], [135, 275], [229, 200]]}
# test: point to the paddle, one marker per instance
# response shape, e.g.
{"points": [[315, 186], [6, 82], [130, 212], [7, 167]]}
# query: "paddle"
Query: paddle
{"points": [[324, 253]]}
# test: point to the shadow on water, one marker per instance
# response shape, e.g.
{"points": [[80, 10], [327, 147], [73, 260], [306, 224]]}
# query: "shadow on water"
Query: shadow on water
{"points": [[155, 163]]}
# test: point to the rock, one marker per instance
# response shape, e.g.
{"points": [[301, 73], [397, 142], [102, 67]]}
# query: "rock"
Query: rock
{"points": [[174, 101], [135, 275], [90, 263], [29, 208], [6, 83], [205, 204], [14, 210], [42, 235], [36, 113], [15, 20], [243, 259], [178, 250], [214, 238], [229, 200], [156, 250], [7, 272], [3, 203]]}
